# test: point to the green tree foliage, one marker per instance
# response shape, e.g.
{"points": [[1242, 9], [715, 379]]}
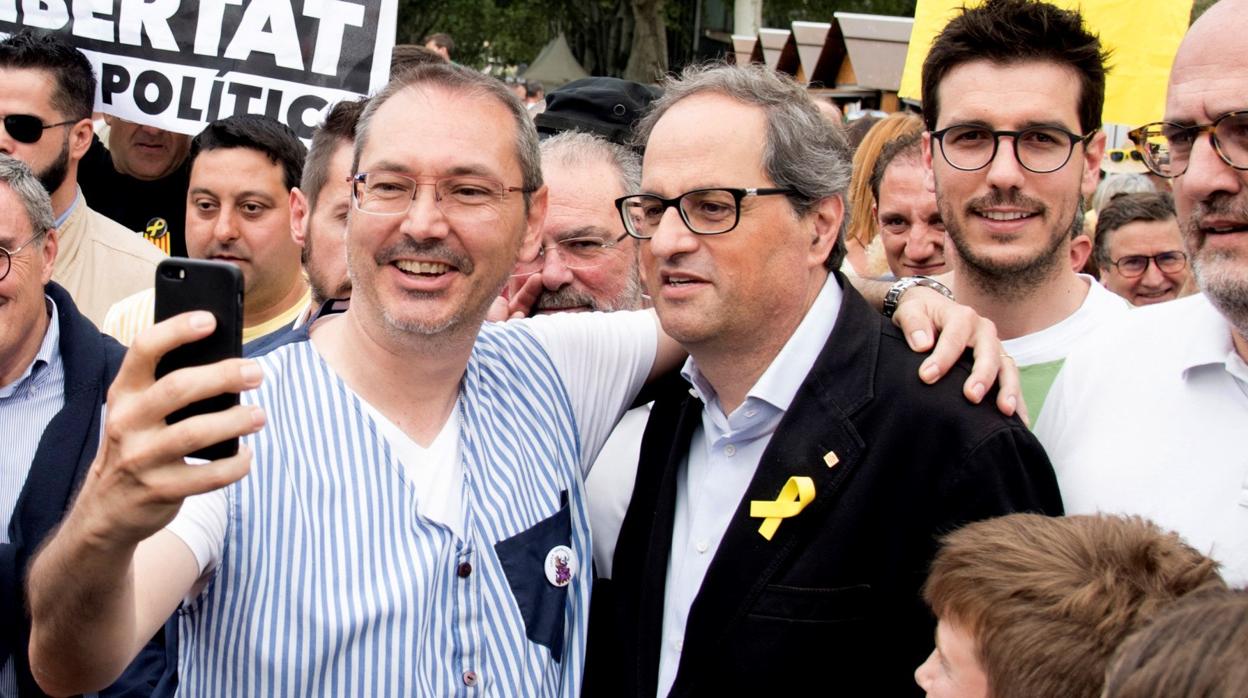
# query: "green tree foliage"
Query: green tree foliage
{"points": [[779, 13], [600, 32]]}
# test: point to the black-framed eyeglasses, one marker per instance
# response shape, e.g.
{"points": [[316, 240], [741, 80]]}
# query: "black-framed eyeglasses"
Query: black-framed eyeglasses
{"points": [[704, 211], [464, 197], [584, 252], [1167, 146], [1133, 265], [1039, 149], [26, 128], [6, 256]]}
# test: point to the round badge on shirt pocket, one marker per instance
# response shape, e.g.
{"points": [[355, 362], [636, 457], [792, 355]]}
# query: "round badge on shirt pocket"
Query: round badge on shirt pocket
{"points": [[560, 565]]}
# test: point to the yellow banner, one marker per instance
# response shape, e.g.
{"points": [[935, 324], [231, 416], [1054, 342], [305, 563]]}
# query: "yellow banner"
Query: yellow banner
{"points": [[1142, 35]]}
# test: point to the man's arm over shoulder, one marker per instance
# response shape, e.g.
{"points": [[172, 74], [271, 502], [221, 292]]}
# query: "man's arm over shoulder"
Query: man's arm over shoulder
{"points": [[604, 359]]}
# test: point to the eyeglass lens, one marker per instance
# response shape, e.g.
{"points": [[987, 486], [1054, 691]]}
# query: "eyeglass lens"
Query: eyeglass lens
{"points": [[1167, 147], [1037, 149], [707, 211], [573, 253], [1169, 262], [461, 197]]}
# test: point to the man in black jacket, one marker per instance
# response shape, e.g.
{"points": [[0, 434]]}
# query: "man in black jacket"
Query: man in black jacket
{"points": [[55, 369], [792, 489]]}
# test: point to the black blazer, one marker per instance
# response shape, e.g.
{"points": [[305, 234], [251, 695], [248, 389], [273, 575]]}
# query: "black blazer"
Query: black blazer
{"points": [[831, 605], [64, 454]]}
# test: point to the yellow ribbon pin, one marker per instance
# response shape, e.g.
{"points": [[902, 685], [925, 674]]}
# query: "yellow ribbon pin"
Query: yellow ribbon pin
{"points": [[796, 494]]}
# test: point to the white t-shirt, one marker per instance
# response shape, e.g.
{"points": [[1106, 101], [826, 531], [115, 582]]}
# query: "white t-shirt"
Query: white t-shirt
{"points": [[584, 348], [609, 486], [1039, 355], [1054, 342]]}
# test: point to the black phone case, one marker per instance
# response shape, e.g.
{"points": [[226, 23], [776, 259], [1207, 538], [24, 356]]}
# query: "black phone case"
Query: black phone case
{"points": [[192, 284]]}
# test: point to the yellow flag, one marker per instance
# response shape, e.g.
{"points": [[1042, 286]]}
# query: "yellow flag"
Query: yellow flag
{"points": [[1142, 35]]}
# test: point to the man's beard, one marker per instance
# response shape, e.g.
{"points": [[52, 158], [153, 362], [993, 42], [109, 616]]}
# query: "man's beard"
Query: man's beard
{"points": [[468, 315], [321, 290], [629, 297], [53, 176], [1221, 275], [1012, 279]]}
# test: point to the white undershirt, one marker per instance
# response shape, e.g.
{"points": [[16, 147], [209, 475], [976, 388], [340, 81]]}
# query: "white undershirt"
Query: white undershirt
{"points": [[1055, 341], [436, 473]]}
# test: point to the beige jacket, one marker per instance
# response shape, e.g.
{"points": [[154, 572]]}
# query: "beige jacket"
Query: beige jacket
{"points": [[100, 262]]}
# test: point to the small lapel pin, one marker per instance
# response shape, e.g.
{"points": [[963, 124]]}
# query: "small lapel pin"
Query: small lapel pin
{"points": [[796, 494], [831, 459], [560, 565]]}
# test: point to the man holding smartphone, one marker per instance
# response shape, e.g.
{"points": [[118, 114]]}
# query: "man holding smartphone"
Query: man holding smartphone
{"points": [[414, 523]]}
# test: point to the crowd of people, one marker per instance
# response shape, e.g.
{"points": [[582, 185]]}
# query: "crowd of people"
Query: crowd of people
{"points": [[643, 392]]}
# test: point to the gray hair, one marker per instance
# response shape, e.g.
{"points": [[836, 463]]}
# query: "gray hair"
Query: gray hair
{"points": [[464, 81], [803, 151], [30, 192], [1119, 183], [580, 148]]}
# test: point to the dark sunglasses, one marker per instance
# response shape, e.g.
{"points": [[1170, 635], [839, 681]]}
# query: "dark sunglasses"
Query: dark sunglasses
{"points": [[1120, 155], [25, 128]]}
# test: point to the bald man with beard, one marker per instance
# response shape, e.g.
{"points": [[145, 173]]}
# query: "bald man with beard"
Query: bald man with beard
{"points": [[1148, 416]]}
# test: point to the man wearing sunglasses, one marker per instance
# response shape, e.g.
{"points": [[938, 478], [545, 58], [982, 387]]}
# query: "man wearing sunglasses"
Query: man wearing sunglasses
{"points": [[45, 107], [1012, 96], [1149, 417], [1139, 250]]}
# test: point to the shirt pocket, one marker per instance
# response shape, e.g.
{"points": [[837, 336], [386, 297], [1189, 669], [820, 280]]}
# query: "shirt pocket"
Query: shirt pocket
{"points": [[803, 604], [539, 565]]}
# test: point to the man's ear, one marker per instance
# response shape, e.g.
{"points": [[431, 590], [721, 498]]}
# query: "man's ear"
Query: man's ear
{"points": [[535, 219], [929, 177], [80, 139], [298, 216], [49, 255], [1092, 164], [826, 218], [1080, 250]]}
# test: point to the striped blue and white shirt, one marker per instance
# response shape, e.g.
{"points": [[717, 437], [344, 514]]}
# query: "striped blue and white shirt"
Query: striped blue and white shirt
{"points": [[331, 581], [26, 406]]}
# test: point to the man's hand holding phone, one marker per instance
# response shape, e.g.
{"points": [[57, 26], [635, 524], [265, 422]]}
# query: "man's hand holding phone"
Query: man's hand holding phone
{"points": [[140, 477]]}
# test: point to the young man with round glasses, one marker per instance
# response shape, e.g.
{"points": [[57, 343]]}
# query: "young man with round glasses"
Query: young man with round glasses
{"points": [[1148, 417], [45, 105], [1012, 96], [1139, 250], [794, 476]]}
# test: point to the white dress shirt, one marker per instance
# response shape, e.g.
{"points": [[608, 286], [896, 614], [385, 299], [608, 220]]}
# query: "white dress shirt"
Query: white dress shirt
{"points": [[1149, 417], [723, 455]]}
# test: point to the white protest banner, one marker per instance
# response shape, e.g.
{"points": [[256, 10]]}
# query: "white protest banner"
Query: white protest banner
{"points": [[179, 64]]}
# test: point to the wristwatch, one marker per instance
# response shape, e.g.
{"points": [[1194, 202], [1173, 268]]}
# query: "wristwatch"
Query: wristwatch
{"points": [[905, 283]]}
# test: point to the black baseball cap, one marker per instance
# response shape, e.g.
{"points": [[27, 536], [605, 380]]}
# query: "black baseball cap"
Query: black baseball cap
{"points": [[604, 106]]}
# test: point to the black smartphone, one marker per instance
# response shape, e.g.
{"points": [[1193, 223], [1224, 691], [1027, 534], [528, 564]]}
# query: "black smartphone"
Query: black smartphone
{"points": [[192, 284]]}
